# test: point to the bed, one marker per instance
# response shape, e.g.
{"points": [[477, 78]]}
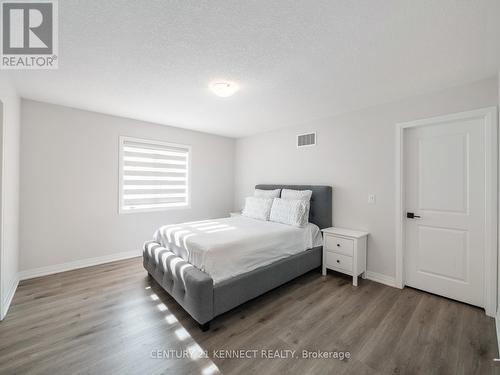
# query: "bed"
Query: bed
{"points": [[212, 266]]}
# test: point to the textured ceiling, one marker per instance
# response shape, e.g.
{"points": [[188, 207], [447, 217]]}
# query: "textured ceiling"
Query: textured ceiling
{"points": [[294, 60]]}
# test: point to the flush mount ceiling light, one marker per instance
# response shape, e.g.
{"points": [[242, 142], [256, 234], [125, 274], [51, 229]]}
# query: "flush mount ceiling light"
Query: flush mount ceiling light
{"points": [[224, 88]]}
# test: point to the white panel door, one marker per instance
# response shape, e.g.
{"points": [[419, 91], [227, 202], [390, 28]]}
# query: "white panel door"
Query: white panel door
{"points": [[445, 186]]}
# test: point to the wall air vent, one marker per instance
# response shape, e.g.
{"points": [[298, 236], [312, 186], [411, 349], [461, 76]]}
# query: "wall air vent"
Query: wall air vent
{"points": [[306, 140]]}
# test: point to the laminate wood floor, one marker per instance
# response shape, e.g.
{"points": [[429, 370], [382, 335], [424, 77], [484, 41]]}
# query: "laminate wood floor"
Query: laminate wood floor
{"points": [[112, 319]]}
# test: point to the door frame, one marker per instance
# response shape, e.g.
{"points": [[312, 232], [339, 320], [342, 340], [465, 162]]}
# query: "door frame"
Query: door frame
{"points": [[2, 200], [489, 115]]}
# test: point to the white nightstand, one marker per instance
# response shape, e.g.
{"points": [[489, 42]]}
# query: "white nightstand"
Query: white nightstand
{"points": [[344, 250], [233, 214]]}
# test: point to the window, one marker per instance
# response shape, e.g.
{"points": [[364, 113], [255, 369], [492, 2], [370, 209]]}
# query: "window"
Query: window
{"points": [[153, 175]]}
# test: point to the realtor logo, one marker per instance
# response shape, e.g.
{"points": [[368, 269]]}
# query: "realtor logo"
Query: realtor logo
{"points": [[29, 34]]}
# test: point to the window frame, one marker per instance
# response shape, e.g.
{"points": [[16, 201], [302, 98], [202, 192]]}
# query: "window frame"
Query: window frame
{"points": [[121, 141]]}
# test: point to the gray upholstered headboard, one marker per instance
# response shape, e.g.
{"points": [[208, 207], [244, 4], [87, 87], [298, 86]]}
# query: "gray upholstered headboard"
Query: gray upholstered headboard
{"points": [[321, 202]]}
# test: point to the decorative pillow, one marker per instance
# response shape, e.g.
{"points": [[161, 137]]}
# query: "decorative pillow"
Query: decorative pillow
{"points": [[304, 195], [257, 208], [289, 211], [259, 193]]}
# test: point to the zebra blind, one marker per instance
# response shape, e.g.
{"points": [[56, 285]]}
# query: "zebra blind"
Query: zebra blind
{"points": [[154, 175]]}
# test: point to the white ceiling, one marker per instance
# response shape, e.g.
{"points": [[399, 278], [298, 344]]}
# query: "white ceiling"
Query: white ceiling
{"points": [[295, 61]]}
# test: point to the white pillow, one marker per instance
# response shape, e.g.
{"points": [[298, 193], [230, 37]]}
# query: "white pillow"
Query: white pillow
{"points": [[289, 211], [296, 194], [257, 208], [259, 193], [304, 195]]}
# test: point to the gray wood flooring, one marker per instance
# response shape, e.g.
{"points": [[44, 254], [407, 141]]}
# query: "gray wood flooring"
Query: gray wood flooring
{"points": [[112, 319]]}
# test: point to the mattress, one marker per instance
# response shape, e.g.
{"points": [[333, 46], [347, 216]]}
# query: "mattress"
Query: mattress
{"points": [[224, 248]]}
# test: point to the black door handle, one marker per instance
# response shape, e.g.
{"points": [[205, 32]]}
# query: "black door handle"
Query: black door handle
{"points": [[411, 215]]}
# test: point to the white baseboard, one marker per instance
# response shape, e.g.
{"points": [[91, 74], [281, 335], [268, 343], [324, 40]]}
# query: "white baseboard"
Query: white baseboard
{"points": [[49, 270], [382, 279], [8, 298], [497, 325]]}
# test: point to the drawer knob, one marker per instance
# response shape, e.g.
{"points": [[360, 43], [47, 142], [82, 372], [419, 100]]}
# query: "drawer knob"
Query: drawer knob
{"points": [[338, 245], [338, 261]]}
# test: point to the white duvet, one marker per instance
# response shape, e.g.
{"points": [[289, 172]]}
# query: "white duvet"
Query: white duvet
{"points": [[227, 247]]}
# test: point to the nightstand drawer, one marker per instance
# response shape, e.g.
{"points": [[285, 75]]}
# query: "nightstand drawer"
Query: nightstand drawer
{"points": [[336, 260], [339, 245]]}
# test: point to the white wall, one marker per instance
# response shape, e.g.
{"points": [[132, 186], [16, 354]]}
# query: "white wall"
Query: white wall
{"points": [[498, 270], [356, 155], [10, 192], [69, 184]]}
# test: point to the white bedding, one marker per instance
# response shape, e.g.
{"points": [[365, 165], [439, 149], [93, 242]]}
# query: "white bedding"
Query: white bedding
{"points": [[227, 247]]}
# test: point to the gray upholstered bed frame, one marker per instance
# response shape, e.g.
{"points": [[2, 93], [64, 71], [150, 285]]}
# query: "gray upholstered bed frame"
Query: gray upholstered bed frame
{"points": [[195, 290]]}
